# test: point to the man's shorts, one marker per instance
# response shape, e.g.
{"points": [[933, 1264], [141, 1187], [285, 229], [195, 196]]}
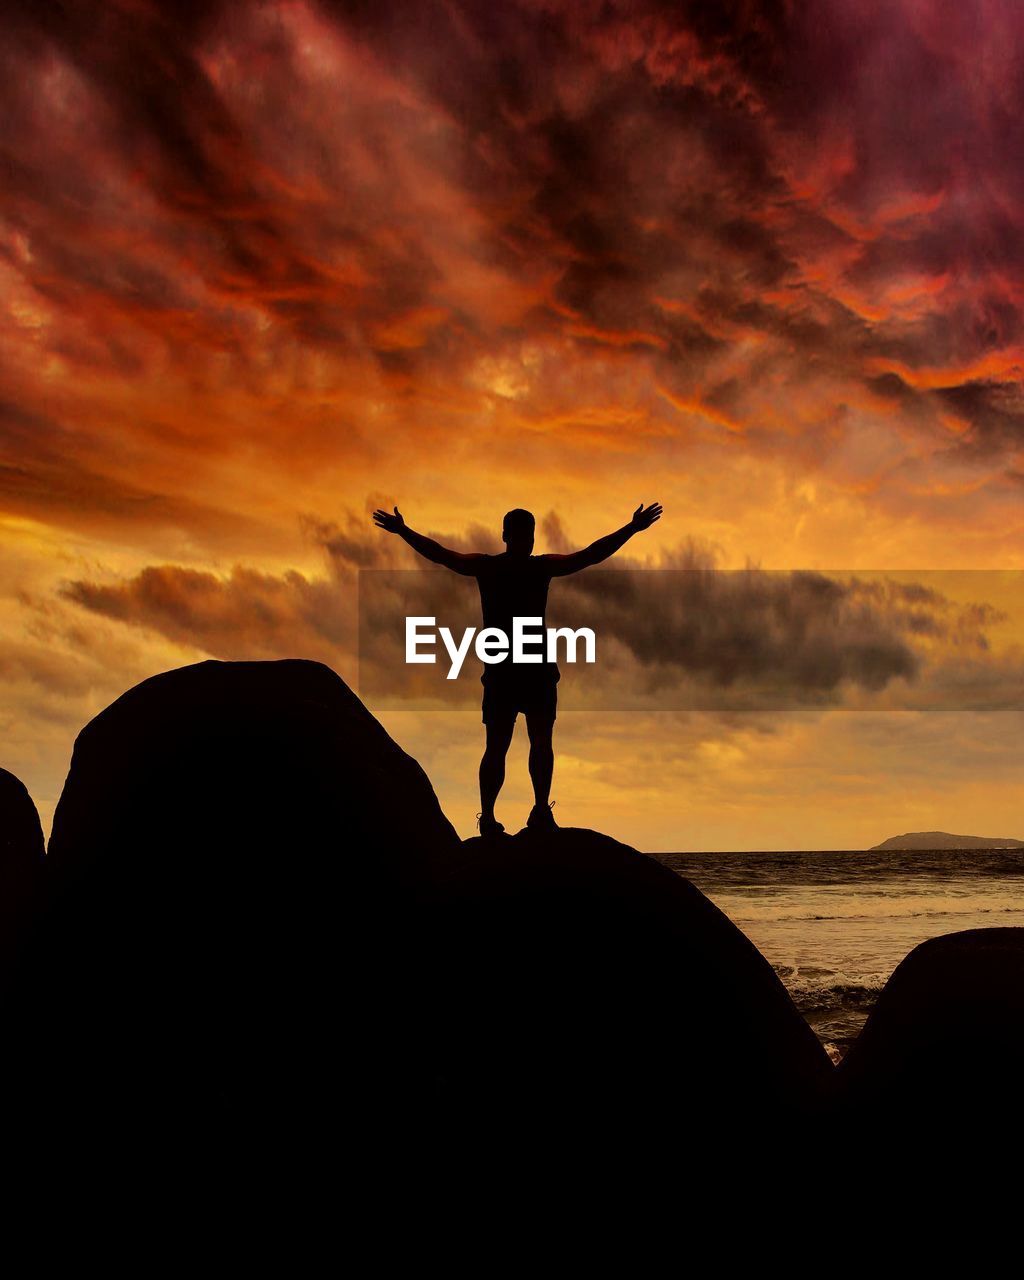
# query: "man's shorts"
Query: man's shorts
{"points": [[532, 693]]}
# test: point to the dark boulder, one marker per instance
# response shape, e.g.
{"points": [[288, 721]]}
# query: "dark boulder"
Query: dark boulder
{"points": [[21, 864], [943, 1049], [21, 834], [238, 761], [222, 875], [575, 990], [262, 931]]}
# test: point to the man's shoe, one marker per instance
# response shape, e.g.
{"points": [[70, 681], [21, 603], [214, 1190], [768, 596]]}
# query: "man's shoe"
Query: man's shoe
{"points": [[488, 826], [541, 818]]}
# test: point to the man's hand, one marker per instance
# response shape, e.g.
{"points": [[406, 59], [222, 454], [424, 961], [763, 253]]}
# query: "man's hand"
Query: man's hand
{"points": [[388, 522], [467, 564], [643, 517]]}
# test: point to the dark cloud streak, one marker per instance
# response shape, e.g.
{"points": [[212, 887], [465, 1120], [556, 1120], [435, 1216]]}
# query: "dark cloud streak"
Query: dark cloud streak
{"points": [[690, 634]]}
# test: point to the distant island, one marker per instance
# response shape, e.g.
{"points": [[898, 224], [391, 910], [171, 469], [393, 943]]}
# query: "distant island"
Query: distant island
{"points": [[943, 840]]}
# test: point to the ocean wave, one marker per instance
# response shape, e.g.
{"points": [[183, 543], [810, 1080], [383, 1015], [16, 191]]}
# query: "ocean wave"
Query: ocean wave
{"points": [[837, 1013], [884, 910], [836, 995], [836, 1009]]}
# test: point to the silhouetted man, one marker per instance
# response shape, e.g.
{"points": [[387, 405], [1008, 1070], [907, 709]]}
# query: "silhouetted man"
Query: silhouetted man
{"points": [[514, 584]]}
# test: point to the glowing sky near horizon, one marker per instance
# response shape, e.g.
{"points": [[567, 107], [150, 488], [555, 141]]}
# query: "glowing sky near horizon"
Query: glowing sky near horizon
{"points": [[266, 266]]}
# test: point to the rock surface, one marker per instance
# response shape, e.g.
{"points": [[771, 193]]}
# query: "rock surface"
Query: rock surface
{"points": [[576, 986], [261, 932], [237, 760], [944, 1046], [21, 866], [229, 838]]}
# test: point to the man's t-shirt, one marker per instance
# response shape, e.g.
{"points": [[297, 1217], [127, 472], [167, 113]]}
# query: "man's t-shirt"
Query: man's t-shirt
{"points": [[516, 587]]}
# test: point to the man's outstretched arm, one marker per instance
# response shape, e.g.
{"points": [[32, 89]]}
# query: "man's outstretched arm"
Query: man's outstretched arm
{"points": [[643, 518], [427, 547]]}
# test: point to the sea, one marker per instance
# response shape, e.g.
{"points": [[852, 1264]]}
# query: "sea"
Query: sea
{"points": [[835, 923]]}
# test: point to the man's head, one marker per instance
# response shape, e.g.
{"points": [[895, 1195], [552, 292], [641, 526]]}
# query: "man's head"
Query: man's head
{"points": [[517, 532]]}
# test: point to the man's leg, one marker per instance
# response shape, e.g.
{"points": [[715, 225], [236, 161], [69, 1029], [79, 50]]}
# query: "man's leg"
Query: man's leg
{"points": [[540, 726], [492, 767]]}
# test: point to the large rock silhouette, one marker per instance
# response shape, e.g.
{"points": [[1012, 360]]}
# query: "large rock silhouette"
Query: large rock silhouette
{"points": [[260, 916], [234, 760], [223, 869], [263, 942], [575, 990], [942, 1051]]}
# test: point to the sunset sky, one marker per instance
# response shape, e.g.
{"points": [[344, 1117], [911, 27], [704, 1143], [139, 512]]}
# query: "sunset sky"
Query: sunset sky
{"points": [[267, 266]]}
